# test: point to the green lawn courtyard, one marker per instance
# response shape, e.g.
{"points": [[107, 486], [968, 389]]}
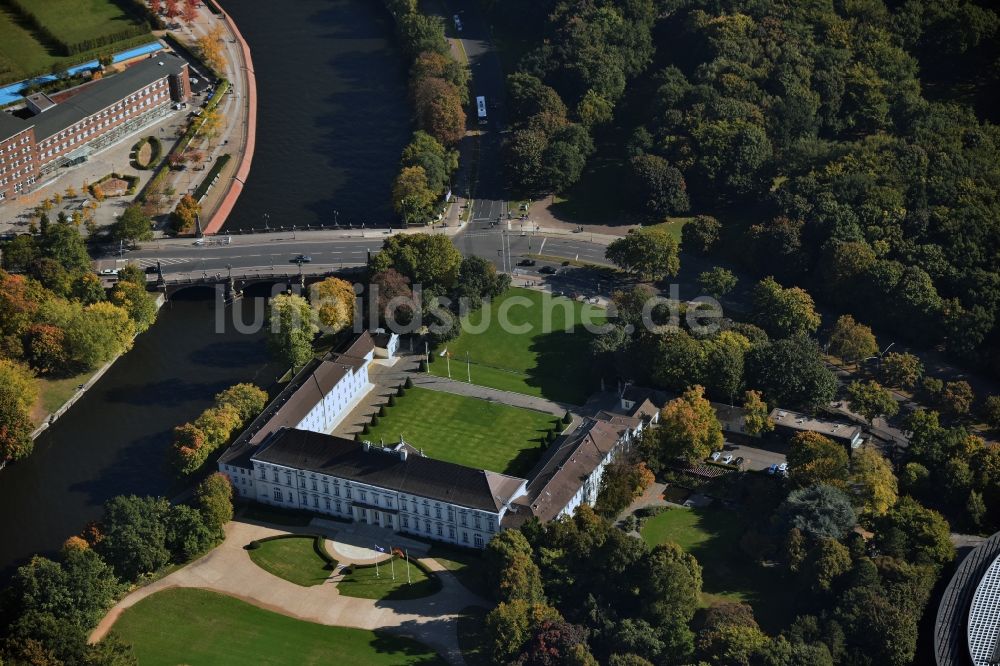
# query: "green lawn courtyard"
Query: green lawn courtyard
{"points": [[24, 53], [293, 558], [712, 536], [389, 582], [538, 358], [463, 430], [218, 630]]}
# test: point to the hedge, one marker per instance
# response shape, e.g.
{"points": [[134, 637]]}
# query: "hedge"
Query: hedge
{"points": [[318, 548], [156, 149], [133, 182], [213, 173], [73, 48]]}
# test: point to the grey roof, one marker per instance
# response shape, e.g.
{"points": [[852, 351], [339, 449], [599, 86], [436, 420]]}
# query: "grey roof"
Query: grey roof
{"points": [[950, 644], [797, 421], [105, 92], [12, 125], [386, 468]]}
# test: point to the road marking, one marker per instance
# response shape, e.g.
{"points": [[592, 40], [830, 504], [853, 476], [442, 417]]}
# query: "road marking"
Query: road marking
{"points": [[542, 246]]}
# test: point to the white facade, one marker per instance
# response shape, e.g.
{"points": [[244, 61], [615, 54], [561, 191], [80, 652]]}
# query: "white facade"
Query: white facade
{"points": [[587, 494], [328, 411], [401, 512]]}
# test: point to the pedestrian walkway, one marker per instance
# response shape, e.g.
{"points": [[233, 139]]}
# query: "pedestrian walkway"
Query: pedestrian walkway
{"points": [[229, 570]]}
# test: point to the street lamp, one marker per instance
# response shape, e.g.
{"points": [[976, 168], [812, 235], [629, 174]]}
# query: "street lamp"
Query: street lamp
{"points": [[267, 220], [336, 218]]}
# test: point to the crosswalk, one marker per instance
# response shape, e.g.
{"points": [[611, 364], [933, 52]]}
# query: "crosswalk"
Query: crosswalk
{"points": [[169, 261]]}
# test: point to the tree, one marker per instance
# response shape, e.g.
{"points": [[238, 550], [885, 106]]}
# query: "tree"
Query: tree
{"points": [[991, 411], [210, 47], [650, 252], [333, 301], [901, 370], [395, 298], [621, 483], [509, 626], [717, 281], [820, 511], [528, 97], [291, 328], [427, 260], [813, 459], [137, 302], [215, 501], [437, 162], [187, 535], [783, 312], [45, 349], [190, 11], [420, 33], [64, 244], [132, 225], [77, 591], [910, 532], [524, 151], [565, 157], [511, 573], [688, 428], [659, 188], [870, 400], [791, 372], [97, 333], [957, 397], [873, 482], [439, 111], [756, 415], [826, 562], [248, 400], [172, 11], [18, 392], [412, 197], [479, 277], [135, 535], [852, 341], [701, 234], [185, 215]]}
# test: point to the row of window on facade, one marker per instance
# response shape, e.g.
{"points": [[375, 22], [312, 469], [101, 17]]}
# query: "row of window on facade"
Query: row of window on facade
{"points": [[12, 146], [384, 519]]}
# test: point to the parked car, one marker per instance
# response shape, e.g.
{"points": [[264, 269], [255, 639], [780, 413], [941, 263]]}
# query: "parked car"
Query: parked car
{"points": [[548, 270], [728, 458], [739, 461], [716, 455], [150, 270], [526, 262], [783, 469], [109, 271], [301, 259], [773, 469]]}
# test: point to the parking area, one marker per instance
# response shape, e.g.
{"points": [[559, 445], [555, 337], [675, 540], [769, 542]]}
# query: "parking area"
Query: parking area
{"points": [[753, 458]]}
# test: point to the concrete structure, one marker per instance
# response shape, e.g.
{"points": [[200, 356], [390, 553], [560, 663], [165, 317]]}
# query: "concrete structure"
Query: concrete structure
{"points": [[967, 627], [69, 126], [792, 422], [286, 458]]}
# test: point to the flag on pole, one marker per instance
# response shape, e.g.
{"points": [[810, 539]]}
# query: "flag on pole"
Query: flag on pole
{"points": [[407, 567], [379, 549]]}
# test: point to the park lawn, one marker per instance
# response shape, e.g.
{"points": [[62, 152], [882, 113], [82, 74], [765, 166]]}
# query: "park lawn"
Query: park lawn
{"points": [[20, 53], [293, 559], [713, 536], [467, 431], [466, 565], [73, 21], [53, 394], [198, 627], [544, 360], [368, 583], [673, 225]]}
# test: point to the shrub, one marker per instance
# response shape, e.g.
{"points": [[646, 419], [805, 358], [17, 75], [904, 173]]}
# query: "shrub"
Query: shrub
{"points": [[567, 418], [381, 410], [400, 391], [374, 420], [253, 545], [423, 368], [392, 401], [408, 383], [365, 429]]}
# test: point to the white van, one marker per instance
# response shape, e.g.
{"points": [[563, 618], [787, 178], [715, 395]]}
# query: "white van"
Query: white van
{"points": [[481, 109]]}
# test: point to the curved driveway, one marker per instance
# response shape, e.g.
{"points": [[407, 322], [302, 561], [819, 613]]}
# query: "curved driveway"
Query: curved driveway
{"points": [[229, 570]]}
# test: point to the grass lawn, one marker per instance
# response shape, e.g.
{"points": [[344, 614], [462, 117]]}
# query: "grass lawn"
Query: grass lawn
{"points": [[198, 627], [467, 431], [466, 565], [673, 225], [293, 559], [53, 394], [542, 360], [24, 53], [712, 536], [363, 583]]}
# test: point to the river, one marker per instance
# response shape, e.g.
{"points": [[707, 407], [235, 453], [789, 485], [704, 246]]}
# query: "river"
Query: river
{"points": [[332, 120], [332, 113]]}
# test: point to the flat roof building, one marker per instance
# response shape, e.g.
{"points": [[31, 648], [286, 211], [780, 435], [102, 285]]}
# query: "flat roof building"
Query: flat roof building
{"points": [[790, 421]]}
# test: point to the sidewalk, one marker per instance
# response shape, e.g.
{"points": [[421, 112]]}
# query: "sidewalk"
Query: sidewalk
{"points": [[229, 570]]}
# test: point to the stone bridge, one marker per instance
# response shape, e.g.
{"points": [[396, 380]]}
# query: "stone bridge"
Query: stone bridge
{"points": [[233, 282]]}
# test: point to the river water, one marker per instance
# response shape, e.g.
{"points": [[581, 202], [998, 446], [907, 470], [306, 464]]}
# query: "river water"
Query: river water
{"points": [[332, 112], [332, 120]]}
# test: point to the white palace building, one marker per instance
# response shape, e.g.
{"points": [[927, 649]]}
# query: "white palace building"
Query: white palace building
{"points": [[286, 458]]}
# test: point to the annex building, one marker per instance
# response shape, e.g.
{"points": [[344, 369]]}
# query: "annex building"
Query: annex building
{"points": [[69, 126], [286, 458]]}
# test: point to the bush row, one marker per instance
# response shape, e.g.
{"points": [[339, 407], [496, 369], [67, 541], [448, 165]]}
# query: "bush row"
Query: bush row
{"points": [[213, 173], [133, 182], [156, 149]]}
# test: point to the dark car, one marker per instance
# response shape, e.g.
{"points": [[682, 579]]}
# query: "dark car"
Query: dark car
{"points": [[150, 270], [548, 270], [302, 259], [526, 262]]}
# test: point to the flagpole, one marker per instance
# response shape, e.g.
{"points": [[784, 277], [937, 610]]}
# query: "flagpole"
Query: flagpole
{"points": [[407, 566], [392, 563], [377, 575]]}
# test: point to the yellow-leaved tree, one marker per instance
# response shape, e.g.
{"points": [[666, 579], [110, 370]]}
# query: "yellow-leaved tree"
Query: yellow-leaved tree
{"points": [[333, 301]]}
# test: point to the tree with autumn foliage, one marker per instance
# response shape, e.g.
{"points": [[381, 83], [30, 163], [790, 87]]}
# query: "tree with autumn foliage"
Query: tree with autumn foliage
{"points": [[439, 110], [155, 7], [190, 10], [852, 341], [18, 392], [756, 415], [873, 482], [172, 9], [815, 459], [688, 430], [622, 482], [210, 48], [333, 301], [412, 196], [394, 297]]}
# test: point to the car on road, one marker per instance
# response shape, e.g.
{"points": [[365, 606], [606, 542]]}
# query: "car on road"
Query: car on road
{"points": [[773, 469], [783, 469], [150, 270], [301, 259], [728, 458], [739, 461], [716, 455], [458, 22], [548, 270], [526, 262], [109, 271]]}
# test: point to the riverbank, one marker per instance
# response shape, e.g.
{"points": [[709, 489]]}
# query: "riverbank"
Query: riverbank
{"points": [[52, 417], [248, 115]]}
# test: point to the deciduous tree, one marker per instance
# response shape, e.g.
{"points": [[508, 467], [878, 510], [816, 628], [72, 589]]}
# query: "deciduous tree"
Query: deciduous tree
{"points": [[902, 370], [717, 281], [757, 419], [291, 329], [813, 458], [660, 189], [783, 312], [688, 428], [870, 400], [333, 301], [701, 234], [821, 511], [852, 341], [873, 482], [651, 253]]}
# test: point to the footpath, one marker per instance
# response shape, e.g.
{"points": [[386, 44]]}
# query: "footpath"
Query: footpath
{"points": [[229, 570]]}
